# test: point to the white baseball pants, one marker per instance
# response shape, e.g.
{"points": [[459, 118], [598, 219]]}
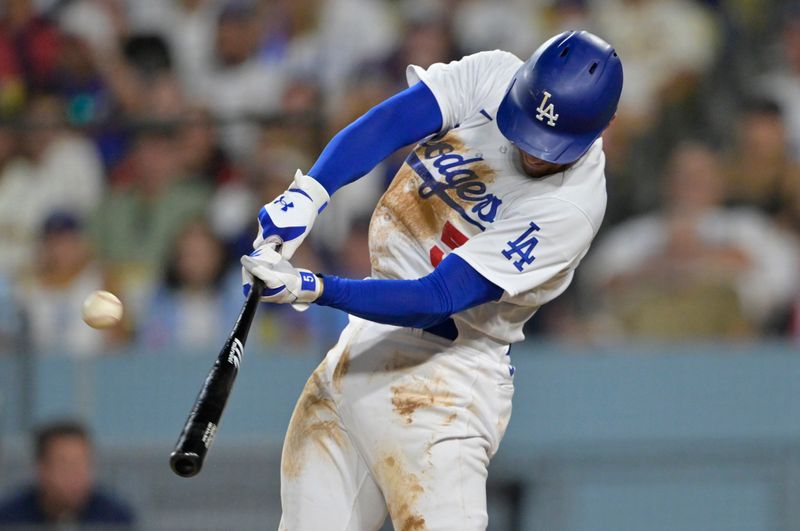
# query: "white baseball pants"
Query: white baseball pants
{"points": [[398, 420]]}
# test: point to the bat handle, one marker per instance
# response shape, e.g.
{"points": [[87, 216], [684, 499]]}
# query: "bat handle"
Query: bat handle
{"points": [[258, 287]]}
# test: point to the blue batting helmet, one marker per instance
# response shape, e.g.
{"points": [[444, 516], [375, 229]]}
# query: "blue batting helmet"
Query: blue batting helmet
{"points": [[563, 97]]}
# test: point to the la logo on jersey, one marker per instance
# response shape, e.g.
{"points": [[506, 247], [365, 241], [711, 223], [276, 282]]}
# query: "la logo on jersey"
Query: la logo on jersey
{"points": [[522, 248], [547, 111]]}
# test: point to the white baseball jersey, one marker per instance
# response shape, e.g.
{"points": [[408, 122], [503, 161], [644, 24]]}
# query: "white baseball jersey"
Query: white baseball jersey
{"points": [[464, 191]]}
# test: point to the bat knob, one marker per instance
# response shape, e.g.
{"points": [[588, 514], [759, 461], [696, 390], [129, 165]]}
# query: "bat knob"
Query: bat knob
{"points": [[185, 464]]}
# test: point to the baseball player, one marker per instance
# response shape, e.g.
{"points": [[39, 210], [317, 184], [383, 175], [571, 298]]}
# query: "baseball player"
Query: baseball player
{"points": [[485, 222]]}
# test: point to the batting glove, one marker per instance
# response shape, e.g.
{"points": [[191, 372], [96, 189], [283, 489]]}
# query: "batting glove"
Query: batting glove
{"points": [[285, 283], [289, 218]]}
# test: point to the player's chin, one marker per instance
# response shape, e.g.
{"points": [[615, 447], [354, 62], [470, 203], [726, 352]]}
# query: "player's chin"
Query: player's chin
{"points": [[536, 167]]}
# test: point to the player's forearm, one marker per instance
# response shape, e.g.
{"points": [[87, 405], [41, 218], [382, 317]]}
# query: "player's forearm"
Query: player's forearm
{"points": [[402, 119], [453, 287], [394, 302]]}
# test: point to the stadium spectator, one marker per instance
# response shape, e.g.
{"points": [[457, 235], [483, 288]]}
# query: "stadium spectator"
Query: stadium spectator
{"points": [[695, 268], [303, 125], [137, 223], [64, 494], [427, 38], [192, 307], [783, 83], [80, 83], [99, 23], [51, 168], [189, 27], [29, 47], [760, 171], [203, 156], [53, 291], [65, 165], [238, 84]]}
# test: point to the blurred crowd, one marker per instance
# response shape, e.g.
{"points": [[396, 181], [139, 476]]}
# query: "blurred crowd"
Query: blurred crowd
{"points": [[138, 139]]}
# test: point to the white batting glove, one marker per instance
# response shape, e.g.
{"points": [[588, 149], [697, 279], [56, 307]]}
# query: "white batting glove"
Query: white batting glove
{"points": [[288, 218], [285, 283]]}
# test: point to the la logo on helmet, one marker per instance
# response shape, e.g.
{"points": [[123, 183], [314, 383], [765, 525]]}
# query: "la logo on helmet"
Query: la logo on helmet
{"points": [[546, 111]]}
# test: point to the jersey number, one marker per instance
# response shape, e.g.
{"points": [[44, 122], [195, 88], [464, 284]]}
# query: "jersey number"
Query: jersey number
{"points": [[451, 237]]}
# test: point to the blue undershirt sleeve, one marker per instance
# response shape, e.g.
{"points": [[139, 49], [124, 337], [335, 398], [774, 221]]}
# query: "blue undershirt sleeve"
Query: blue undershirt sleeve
{"points": [[452, 287], [406, 117]]}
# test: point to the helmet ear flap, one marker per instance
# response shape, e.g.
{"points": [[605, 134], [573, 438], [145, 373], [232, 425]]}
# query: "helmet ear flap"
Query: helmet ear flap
{"points": [[563, 97]]}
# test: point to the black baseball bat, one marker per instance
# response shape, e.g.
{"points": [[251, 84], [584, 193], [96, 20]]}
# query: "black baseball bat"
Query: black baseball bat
{"points": [[203, 421]]}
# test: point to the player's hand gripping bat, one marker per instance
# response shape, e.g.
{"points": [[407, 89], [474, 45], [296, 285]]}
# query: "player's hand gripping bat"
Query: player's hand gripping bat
{"points": [[201, 426]]}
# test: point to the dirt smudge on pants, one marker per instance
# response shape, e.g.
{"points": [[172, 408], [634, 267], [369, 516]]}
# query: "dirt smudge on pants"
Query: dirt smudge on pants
{"points": [[402, 490], [419, 393], [401, 361], [314, 425], [341, 368]]}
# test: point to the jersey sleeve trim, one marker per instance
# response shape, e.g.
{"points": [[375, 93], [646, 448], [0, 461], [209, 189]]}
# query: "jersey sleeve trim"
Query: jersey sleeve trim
{"points": [[508, 287], [416, 74], [486, 273]]}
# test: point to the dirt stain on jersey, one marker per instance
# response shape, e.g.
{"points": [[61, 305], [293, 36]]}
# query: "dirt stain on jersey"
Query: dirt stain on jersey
{"points": [[419, 393], [454, 140], [402, 490], [482, 170], [313, 427], [401, 208]]}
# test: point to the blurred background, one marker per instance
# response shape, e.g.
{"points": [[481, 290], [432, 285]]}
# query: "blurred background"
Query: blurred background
{"points": [[138, 139]]}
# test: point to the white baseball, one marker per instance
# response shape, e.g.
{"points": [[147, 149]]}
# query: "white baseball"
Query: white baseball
{"points": [[101, 309]]}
